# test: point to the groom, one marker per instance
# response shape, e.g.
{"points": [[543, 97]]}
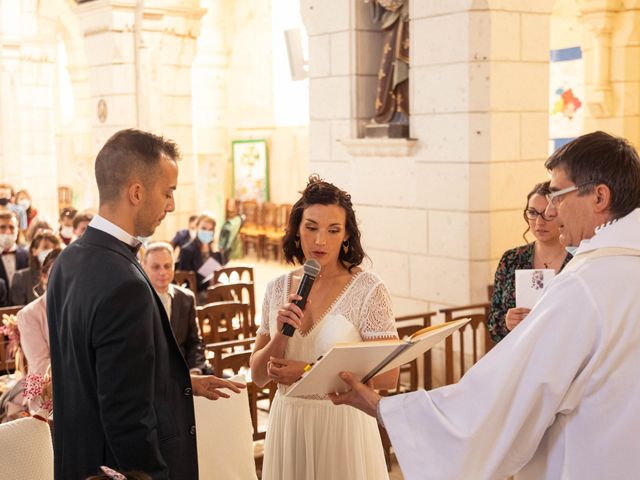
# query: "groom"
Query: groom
{"points": [[123, 395]]}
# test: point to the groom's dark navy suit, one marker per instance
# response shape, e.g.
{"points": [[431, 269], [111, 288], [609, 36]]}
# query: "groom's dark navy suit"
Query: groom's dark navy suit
{"points": [[121, 388]]}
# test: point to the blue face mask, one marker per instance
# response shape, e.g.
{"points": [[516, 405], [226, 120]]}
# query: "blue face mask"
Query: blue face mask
{"points": [[205, 236]]}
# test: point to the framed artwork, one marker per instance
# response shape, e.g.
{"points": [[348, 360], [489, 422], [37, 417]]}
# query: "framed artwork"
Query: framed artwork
{"points": [[250, 170]]}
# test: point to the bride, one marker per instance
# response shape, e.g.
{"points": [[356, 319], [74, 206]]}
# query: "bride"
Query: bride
{"points": [[311, 438]]}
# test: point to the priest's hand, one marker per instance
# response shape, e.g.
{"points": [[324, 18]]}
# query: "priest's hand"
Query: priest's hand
{"points": [[360, 396], [209, 386], [514, 316], [284, 370]]}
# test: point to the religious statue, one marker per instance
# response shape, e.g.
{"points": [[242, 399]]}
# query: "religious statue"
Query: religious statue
{"points": [[391, 117]]}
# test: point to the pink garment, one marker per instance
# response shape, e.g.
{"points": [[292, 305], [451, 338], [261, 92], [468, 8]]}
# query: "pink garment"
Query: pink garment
{"points": [[34, 335]]}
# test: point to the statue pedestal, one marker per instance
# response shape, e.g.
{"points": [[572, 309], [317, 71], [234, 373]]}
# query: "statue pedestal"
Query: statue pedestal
{"points": [[386, 130]]}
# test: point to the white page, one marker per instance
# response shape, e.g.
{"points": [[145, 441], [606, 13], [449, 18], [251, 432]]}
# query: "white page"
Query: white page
{"points": [[208, 267], [531, 284]]}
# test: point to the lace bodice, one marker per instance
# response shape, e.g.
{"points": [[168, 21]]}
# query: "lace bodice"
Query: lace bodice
{"points": [[361, 312]]}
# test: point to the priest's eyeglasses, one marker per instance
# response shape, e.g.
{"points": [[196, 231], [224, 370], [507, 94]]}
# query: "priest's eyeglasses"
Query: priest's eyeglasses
{"points": [[533, 214], [554, 198]]}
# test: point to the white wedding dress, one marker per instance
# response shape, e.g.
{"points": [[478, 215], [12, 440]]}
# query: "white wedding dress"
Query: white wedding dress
{"points": [[310, 438]]}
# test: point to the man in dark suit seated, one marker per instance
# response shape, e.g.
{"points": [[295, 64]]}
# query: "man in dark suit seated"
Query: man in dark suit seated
{"points": [[180, 304], [185, 235], [123, 393], [14, 256], [195, 253]]}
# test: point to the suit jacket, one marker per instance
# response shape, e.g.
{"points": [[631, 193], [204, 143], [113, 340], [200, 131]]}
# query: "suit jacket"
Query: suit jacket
{"points": [[191, 259], [185, 326], [181, 238], [24, 281], [122, 389], [22, 261]]}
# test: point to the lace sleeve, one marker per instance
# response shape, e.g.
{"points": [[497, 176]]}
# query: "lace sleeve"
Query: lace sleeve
{"points": [[376, 316]]}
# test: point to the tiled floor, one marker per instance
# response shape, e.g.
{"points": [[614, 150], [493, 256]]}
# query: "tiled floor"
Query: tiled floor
{"points": [[265, 271]]}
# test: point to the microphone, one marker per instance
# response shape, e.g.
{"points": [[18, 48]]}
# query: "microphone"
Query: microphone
{"points": [[311, 269]]}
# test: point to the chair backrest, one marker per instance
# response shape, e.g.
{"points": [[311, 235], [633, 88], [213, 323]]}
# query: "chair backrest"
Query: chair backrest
{"points": [[239, 273], [221, 321], [242, 292], [7, 364], [26, 450], [251, 213], [269, 216], [407, 325], [481, 341], [186, 279]]}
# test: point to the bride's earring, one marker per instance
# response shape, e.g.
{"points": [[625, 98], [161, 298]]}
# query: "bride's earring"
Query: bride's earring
{"points": [[296, 242], [345, 246]]}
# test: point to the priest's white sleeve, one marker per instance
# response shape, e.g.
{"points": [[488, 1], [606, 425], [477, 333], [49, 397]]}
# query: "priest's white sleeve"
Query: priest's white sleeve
{"points": [[491, 423]]}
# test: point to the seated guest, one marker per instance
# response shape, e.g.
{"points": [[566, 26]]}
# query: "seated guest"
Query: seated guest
{"points": [[37, 226], [7, 202], [23, 199], [26, 286], [179, 303], [66, 225], [185, 235], [545, 251], [80, 223], [32, 323], [14, 256], [199, 250]]}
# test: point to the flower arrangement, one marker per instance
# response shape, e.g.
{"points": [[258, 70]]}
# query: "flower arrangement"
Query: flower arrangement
{"points": [[37, 388], [9, 328]]}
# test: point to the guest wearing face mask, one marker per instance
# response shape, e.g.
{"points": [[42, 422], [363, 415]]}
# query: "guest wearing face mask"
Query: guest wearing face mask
{"points": [[14, 257], [26, 286], [66, 225], [7, 202], [195, 253], [23, 200]]}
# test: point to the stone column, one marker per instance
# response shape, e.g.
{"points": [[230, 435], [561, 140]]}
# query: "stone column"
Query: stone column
{"points": [[143, 79], [27, 130]]}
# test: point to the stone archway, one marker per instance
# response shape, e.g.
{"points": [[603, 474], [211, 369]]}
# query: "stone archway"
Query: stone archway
{"points": [[73, 136]]}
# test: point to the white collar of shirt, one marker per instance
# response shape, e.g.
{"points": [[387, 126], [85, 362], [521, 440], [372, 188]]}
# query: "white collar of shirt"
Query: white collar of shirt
{"points": [[104, 225], [622, 233]]}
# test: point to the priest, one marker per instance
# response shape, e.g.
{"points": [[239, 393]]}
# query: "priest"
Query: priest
{"points": [[558, 397]]}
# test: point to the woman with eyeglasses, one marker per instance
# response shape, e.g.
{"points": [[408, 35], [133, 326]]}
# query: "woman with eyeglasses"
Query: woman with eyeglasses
{"points": [[545, 251]]}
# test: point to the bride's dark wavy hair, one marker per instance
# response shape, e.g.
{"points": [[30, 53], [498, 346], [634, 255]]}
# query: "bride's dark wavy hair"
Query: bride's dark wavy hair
{"points": [[319, 192]]}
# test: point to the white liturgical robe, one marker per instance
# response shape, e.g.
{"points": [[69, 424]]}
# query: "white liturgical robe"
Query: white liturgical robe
{"points": [[558, 398]]}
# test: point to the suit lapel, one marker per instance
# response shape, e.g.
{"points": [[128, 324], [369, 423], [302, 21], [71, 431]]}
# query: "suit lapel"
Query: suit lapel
{"points": [[105, 240]]}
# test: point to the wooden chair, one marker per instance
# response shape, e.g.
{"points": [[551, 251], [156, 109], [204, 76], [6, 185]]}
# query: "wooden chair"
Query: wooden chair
{"points": [[481, 340], [231, 208], [186, 279], [252, 232], [7, 365], [238, 273], [221, 321], [275, 231], [407, 325], [242, 292]]}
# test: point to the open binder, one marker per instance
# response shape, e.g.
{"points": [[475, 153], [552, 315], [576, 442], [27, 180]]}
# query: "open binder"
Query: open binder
{"points": [[368, 359]]}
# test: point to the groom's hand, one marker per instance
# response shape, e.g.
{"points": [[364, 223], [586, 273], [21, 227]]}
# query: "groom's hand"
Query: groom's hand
{"points": [[360, 396], [209, 386]]}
